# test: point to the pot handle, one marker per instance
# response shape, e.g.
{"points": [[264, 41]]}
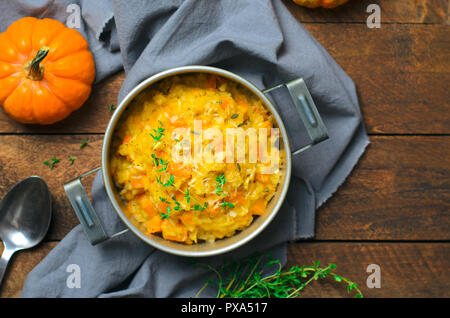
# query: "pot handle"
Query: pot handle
{"points": [[89, 219], [307, 110]]}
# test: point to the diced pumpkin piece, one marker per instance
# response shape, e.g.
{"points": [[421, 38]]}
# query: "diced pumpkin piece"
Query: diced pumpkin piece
{"points": [[173, 231], [213, 210], [162, 207], [187, 218], [137, 182], [147, 205], [238, 199], [264, 178], [259, 207], [179, 171], [154, 225], [126, 139]]}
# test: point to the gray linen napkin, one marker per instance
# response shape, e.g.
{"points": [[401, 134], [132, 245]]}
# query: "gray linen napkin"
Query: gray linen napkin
{"points": [[259, 40]]}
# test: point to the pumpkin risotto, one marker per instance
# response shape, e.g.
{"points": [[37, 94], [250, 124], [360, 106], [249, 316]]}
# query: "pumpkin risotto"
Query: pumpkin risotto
{"points": [[191, 201]]}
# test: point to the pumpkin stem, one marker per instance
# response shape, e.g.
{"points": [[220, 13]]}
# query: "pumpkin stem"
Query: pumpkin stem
{"points": [[34, 69]]}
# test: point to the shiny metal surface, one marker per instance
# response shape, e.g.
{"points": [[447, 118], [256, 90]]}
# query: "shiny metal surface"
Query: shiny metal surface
{"points": [[25, 214]]}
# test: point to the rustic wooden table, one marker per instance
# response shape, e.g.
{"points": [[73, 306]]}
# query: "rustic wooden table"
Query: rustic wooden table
{"points": [[393, 210]]}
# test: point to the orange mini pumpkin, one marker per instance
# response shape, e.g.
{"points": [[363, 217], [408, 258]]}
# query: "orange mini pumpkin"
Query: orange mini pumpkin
{"points": [[46, 70], [320, 3]]}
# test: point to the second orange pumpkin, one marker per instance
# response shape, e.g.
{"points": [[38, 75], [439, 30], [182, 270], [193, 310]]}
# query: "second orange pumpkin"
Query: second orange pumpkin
{"points": [[320, 3], [46, 70]]}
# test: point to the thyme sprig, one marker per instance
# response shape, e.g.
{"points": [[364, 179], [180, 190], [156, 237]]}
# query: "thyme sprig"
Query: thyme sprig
{"points": [[221, 182], [163, 164], [84, 143], [52, 162], [187, 196], [158, 133], [201, 208], [165, 216], [111, 107], [247, 279], [225, 204]]}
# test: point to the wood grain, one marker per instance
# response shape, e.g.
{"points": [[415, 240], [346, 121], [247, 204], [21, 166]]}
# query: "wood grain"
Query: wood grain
{"points": [[20, 265], [422, 11], [400, 80], [400, 190], [407, 269], [23, 156]]}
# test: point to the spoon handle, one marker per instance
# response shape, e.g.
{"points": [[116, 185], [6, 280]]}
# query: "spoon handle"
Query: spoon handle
{"points": [[6, 256]]}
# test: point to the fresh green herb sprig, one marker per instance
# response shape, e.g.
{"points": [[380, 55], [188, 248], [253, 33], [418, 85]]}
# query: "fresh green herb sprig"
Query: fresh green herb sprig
{"points": [[158, 133], [169, 209], [72, 160], [163, 164], [158, 161], [155, 160], [177, 206], [169, 182], [163, 200], [165, 216], [225, 204], [84, 144], [111, 107], [52, 162], [187, 196], [247, 279], [200, 208], [221, 182]]}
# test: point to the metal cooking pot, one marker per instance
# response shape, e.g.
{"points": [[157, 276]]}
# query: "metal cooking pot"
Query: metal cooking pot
{"points": [[89, 220]]}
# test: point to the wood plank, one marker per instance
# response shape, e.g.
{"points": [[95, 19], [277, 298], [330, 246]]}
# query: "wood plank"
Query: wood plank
{"points": [[23, 156], [398, 191], [407, 269], [400, 72], [20, 265], [423, 11]]}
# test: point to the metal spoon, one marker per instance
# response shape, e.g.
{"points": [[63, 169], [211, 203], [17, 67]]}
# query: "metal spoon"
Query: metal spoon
{"points": [[25, 214]]}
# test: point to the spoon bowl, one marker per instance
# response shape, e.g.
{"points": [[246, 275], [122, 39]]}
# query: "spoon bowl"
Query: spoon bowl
{"points": [[25, 214]]}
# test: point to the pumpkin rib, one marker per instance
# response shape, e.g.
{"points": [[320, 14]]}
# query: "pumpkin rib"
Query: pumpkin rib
{"points": [[41, 36], [48, 119], [8, 69], [7, 94], [17, 31], [79, 72], [4, 41], [63, 48], [10, 102], [74, 102]]}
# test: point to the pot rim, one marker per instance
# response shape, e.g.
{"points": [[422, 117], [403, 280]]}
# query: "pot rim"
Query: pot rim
{"points": [[110, 132]]}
